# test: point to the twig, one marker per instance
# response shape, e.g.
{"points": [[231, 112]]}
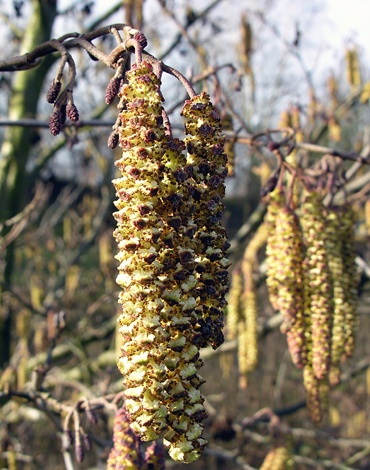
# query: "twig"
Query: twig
{"points": [[334, 153]]}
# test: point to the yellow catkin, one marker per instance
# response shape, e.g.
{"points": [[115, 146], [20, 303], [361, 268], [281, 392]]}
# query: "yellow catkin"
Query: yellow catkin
{"points": [[350, 277], [12, 459], [242, 355], [333, 91], [250, 312], [334, 234], [208, 161], [173, 269], [367, 215], [276, 203], [258, 240], [158, 275], [246, 48], [313, 397], [250, 300], [334, 129], [234, 304], [318, 283], [353, 67], [277, 458], [289, 279]]}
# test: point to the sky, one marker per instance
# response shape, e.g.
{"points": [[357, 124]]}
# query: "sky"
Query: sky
{"points": [[350, 19]]}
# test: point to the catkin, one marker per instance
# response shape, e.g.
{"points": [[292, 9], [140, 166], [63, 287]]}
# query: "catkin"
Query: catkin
{"points": [[276, 203], [319, 286], [157, 271], [234, 304], [206, 160], [278, 458], [125, 452], [173, 268], [247, 339], [290, 279], [350, 277], [334, 241]]}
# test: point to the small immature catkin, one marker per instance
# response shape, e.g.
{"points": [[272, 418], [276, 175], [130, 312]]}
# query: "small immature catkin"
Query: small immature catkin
{"points": [[53, 91], [112, 89], [113, 140], [56, 122], [72, 112]]}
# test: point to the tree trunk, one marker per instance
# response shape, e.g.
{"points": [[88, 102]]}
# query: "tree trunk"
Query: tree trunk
{"points": [[18, 141]]}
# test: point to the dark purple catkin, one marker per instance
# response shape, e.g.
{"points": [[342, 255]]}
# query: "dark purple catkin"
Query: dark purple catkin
{"points": [[91, 416], [53, 91], [87, 442], [113, 140], [80, 453], [72, 112], [56, 122], [112, 89]]}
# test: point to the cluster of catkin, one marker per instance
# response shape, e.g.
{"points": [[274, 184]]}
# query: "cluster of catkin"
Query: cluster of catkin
{"points": [[311, 279], [173, 269]]}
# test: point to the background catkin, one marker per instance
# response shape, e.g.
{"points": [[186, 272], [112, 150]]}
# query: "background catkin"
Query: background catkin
{"points": [[278, 458], [318, 283]]}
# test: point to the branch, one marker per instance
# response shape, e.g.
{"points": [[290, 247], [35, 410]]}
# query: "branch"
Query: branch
{"points": [[334, 153], [33, 59]]}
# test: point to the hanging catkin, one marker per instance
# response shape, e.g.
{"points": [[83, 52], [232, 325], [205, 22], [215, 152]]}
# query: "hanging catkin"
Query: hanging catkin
{"points": [[172, 261], [318, 284]]}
